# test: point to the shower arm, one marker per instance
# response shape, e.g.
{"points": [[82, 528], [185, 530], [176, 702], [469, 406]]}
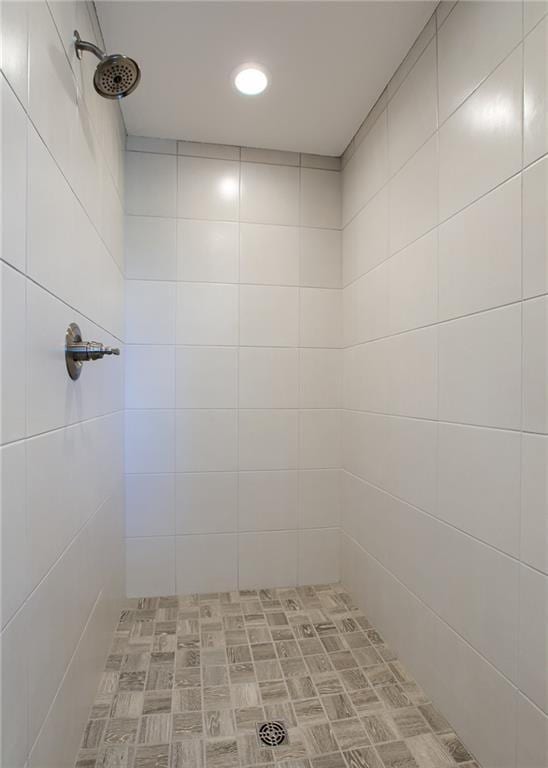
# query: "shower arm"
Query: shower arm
{"points": [[82, 45]]}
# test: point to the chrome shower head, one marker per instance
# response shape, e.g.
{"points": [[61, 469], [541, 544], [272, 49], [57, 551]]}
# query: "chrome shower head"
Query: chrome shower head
{"points": [[116, 76]]}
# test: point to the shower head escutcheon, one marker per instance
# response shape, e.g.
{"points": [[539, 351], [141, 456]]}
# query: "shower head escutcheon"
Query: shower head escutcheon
{"points": [[116, 76]]}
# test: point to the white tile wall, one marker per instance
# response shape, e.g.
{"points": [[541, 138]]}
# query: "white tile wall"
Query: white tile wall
{"points": [[480, 144], [207, 502], [150, 248], [320, 263], [445, 459], [207, 251], [206, 563], [62, 553], [269, 254], [480, 254], [234, 369]]}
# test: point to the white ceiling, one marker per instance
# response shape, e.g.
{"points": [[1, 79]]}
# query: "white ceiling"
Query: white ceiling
{"points": [[329, 61]]}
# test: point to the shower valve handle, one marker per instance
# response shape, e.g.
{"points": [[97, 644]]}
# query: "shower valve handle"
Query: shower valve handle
{"points": [[77, 352], [90, 350]]}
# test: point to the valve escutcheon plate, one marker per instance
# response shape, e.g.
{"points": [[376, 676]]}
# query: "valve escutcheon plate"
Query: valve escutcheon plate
{"points": [[73, 336]]}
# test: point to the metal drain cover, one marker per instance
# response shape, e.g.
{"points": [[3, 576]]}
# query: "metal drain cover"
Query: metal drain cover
{"points": [[273, 733]]}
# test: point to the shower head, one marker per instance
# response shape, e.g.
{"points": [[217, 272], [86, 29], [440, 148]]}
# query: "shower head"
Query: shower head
{"points": [[116, 76]]}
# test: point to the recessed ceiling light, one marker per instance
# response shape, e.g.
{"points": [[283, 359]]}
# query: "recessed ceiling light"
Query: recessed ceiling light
{"points": [[250, 79]]}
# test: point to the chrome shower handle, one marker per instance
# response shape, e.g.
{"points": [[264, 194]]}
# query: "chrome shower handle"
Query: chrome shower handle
{"points": [[90, 350], [77, 352]]}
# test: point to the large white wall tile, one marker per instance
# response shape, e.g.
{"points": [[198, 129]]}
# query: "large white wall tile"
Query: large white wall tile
{"points": [[14, 174], [207, 313], [150, 184], [320, 378], [535, 230], [414, 197], [535, 97], [268, 377], [491, 30], [269, 316], [13, 323], [268, 501], [480, 144], [480, 254], [272, 156], [480, 369], [365, 239], [150, 566], [533, 636], [321, 260], [532, 746], [319, 439], [49, 656], [15, 685], [150, 505], [479, 483], [207, 251], [413, 285], [320, 202], [207, 189], [268, 559], [319, 556], [150, 144], [206, 377], [94, 450], [408, 460], [319, 498], [372, 305], [207, 563], [150, 376], [412, 112], [14, 527], [413, 366], [207, 502], [150, 441], [206, 440], [52, 87], [535, 365], [533, 12], [320, 314], [269, 194], [268, 439], [534, 501], [14, 48], [150, 312], [150, 248], [269, 254]]}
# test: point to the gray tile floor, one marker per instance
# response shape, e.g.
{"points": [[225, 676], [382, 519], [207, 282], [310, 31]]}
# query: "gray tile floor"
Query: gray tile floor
{"points": [[189, 678]]}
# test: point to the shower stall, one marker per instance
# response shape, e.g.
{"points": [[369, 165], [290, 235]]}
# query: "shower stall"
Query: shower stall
{"points": [[274, 385]]}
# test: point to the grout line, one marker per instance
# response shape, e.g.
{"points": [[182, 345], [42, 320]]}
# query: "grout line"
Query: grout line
{"points": [[513, 430], [62, 428], [238, 379], [60, 300], [235, 532], [441, 521]]}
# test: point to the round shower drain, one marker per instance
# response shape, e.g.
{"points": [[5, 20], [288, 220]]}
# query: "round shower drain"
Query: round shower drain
{"points": [[272, 733]]}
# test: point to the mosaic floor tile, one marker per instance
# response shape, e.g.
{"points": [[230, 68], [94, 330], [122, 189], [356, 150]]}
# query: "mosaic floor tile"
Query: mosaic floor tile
{"points": [[189, 678]]}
